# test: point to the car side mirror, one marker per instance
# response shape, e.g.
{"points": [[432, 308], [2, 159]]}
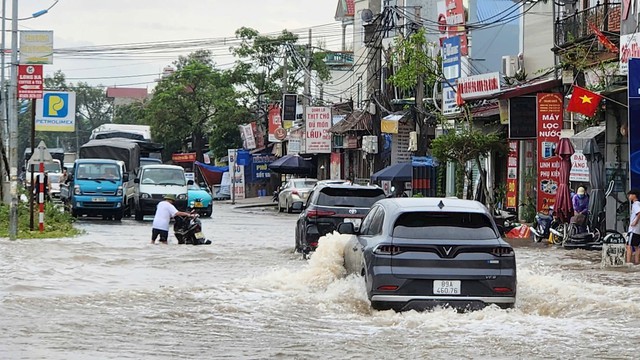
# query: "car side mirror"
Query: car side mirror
{"points": [[297, 206], [347, 228], [125, 177], [136, 180]]}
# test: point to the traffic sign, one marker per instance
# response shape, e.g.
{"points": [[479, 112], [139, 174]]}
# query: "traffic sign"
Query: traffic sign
{"points": [[30, 82], [41, 154]]}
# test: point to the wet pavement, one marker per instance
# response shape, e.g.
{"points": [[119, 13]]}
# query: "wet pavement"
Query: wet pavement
{"points": [[109, 294]]}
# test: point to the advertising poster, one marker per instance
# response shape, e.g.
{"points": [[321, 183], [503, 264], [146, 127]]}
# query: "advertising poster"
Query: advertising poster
{"points": [[579, 167], [318, 123], [455, 19], [512, 176], [238, 181], [550, 110], [336, 166], [634, 127]]}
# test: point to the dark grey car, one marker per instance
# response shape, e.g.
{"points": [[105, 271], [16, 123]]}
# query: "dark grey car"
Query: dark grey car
{"points": [[328, 206], [417, 253]]}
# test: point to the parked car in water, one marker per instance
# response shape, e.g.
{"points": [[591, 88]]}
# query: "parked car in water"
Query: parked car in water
{"points": [[294, 190], [199, 199], [417, 253], [328, 206]]}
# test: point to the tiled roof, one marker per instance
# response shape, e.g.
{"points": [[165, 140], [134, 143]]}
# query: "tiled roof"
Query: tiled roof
{"points": [[346, 10], [356, 121], [127, 93]]}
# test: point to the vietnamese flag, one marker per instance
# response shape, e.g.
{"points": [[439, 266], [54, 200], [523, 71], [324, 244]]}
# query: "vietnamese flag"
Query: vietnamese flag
{"points": [[584, 101]]}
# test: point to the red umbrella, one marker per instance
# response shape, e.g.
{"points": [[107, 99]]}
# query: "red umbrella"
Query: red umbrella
{"points": [[563, 207]]}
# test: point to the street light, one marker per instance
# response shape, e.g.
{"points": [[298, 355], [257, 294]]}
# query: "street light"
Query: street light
{"points": [[13, 109]]}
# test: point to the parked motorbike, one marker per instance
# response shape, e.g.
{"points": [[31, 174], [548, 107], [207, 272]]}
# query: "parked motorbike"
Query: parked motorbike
{"points": [[276, 194], [189, 231], [543, 224], [505, 220]]}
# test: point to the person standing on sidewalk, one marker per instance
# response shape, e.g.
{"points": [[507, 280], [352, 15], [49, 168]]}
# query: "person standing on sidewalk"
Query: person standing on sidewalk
{"points": [[633, 240], [165, 211]]}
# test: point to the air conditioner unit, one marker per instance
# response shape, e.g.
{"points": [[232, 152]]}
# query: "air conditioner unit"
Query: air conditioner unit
{"points": [[509, 65]]}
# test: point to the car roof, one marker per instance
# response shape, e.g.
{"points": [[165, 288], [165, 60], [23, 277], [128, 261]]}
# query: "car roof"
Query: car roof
{"points": [[347, 186], [162, 166], [97, 161], [433, 204]]}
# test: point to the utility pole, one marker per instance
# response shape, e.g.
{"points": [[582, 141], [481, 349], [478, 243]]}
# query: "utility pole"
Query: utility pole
{"points": [[420, 88], [13, 124], [306, 98]]}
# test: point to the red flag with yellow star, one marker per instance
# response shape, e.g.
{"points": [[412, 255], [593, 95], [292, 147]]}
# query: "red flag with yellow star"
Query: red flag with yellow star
{"points": [[584, 101]]}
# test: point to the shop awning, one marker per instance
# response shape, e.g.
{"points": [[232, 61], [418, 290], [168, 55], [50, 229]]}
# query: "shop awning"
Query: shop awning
{"points": [[530, 88], [356, 121], [580, 139], [389, 123]]}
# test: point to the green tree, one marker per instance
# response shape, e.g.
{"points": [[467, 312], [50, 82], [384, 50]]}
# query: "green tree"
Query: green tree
{"points": [[133, 113], [260, 68], [416, 73], [467, 144], [189, 104]]}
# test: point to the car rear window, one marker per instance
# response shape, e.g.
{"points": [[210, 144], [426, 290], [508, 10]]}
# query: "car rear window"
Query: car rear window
{"points": [[349, 197], [444, 225], [301, 184]]}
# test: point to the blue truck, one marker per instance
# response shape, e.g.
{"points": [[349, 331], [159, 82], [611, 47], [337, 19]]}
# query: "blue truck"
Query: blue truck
{"points": [[96, 187]]}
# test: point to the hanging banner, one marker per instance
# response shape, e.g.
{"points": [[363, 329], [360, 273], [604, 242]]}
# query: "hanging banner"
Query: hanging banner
{"points": [[276, 132], [550, 110], [633, 82], [579, 167], [239, 181], [512, 176], [318, 123], [248, 139]]}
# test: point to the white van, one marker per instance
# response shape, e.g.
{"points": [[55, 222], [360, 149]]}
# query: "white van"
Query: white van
{"points": [[153, 183]]}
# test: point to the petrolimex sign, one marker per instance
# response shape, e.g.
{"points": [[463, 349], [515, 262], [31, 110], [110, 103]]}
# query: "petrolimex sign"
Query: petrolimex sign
{"points": [[56, 111]]}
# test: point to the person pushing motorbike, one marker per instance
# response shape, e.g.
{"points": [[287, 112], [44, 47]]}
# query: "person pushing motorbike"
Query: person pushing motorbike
{"points": [[165, 211]]}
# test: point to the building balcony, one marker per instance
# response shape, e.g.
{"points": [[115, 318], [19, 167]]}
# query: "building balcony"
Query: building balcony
{"points": [[339, 59], [574, 30]]}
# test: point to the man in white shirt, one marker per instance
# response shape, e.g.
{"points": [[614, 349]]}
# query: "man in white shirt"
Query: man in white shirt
{"points": [[633, 241], [165, 211]]}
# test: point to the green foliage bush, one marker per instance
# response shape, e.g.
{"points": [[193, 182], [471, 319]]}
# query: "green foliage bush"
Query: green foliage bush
{"points": [[57, 223]]}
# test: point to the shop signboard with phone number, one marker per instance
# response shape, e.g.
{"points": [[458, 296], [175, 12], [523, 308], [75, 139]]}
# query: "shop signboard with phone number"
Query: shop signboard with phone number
{"points": [[550, 117]]}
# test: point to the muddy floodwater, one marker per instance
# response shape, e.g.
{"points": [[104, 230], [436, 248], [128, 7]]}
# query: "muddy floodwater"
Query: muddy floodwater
{"points": [[109, 294]]}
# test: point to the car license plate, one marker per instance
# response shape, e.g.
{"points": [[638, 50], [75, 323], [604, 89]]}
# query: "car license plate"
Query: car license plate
{"points": [[197, 204], [355, 221], [199, 235], [98, 199], [446, 287]]}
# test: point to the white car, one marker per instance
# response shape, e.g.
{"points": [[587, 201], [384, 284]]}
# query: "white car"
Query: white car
{"points": [[294, 190]]}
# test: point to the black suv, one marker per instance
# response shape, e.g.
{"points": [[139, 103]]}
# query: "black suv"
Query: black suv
{"points": [[328, 206]]}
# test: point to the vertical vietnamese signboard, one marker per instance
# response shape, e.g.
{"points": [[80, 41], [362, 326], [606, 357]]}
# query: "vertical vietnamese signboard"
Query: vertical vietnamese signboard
{"points": [[318, 123], [634, 127], [550, 110], [512, 176]]}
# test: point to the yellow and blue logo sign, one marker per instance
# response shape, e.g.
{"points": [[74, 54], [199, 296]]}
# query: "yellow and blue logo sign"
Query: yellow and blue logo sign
{"points": [[56, 111], [55, 105]]}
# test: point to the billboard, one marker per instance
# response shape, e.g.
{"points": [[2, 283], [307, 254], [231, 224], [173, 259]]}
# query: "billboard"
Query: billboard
{"points": [[318, 122], [56, 111], [550, 117]]}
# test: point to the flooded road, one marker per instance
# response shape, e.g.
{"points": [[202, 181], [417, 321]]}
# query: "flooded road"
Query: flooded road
{"points": [[109, 294]]}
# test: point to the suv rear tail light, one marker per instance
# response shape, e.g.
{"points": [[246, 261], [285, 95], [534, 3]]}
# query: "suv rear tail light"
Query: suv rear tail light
{"points": [[316, 213], [388, 287], [387, 250], [502, 290], [502, 251]]}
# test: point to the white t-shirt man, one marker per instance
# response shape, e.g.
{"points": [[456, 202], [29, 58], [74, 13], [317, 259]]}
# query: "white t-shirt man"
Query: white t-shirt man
{"points": [[165, 211], [635, 209]]}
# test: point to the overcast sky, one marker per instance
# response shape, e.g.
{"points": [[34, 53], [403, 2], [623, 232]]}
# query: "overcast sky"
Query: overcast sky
{"points": [[78, 23]]}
